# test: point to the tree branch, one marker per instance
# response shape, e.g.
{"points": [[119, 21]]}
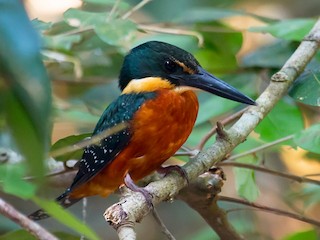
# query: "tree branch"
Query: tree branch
{"points": [[201, 195], [270, 209], [270, 171], [133, 207], [35, 229]]}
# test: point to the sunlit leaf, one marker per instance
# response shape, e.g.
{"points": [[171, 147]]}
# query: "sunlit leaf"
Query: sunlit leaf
{"points": [[69, 141], [289, 29], [306, 88], [56, 211], [283, 120], [309, 139], [308, 234]]}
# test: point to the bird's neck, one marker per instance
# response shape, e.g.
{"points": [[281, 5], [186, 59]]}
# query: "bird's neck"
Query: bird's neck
{"points": [[148, 84]]}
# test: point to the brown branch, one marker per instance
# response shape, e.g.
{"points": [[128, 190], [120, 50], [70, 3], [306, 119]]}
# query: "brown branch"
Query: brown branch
{"points": [[201, 195], [273, 172], [270, 210], [133, 207], [35, 229], [224, 122]]}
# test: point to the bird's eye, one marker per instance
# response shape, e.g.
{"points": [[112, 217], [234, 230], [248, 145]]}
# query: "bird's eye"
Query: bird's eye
{"points": [[170, 66]]}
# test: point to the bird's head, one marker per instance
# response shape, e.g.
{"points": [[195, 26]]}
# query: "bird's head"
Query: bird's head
{"points": [[154, 65]]}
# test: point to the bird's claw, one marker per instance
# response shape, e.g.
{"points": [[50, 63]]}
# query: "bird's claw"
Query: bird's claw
{"points": [[177, 168], [133, 187]]}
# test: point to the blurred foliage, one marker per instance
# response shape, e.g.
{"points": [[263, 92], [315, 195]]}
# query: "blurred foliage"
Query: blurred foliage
{"points": [[83, 53]]}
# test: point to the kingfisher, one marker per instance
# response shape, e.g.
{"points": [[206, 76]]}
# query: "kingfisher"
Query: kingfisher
{"points": [[159, 105]]}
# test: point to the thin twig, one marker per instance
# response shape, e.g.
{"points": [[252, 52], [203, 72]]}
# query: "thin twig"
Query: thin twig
{"points": [[35, 229], [214, 129], [113, 9], [173, 31], [93, 140], [164, 229], [273, 172], [260, 148], [270, 210], [135, 8], [84, 214]]}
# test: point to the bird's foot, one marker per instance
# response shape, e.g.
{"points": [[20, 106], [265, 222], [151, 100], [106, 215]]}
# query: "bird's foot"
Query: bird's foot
{"points": [[133, 187], [177, 168]]}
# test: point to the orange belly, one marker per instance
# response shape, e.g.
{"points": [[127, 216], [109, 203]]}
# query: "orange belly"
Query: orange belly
{"points": [[159, 128]]}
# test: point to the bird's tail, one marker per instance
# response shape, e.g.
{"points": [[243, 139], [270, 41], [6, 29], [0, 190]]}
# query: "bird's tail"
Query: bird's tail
{"points": [[63, 200]]}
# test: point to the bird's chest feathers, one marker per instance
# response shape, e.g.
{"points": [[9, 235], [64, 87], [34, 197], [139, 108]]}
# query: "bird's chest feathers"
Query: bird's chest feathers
{"points": [[163, 124]]}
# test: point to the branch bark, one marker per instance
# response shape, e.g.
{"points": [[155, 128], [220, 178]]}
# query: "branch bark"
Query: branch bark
{"points": [[201, 195], [35, 229], [133, 207]]}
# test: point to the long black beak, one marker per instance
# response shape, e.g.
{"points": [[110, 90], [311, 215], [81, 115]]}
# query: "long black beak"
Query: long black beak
{"points": [[207, 82]]}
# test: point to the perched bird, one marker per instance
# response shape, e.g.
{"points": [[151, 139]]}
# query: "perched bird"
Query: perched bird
{"points": [[160, 107]]}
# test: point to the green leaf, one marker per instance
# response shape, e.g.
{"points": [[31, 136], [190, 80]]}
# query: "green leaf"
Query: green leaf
{"points": [[245, 181], [111, 31], [18, 234], [212, 106], [270, 56], [219, 54], [308, 234], [27, 96], [198, 133], [24, 133], [69, 141], [78, 18], [309, 139], [306, 88], [11, 177], [201, 14], [116, 32], [290, 29], [285, 119], [56, 211], [25, 235], [40, 25], [61, 42], [122, 5]]}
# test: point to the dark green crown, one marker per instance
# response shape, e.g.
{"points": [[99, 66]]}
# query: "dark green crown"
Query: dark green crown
{"points": [[155, 59]]}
